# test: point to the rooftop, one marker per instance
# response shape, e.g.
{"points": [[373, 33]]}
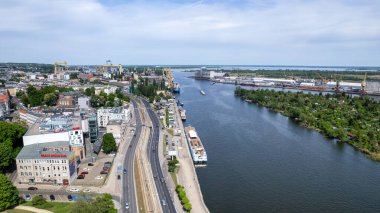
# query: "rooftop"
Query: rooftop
{"points": [[115, 110], [55, 125], [44, 151]]}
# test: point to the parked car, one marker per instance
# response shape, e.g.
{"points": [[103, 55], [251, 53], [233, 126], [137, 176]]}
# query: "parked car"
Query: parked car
{"points": [[80, 177], [103, 172], [90, 164], [32, 188], [107, 165], [74, 190], [118, 177], [106, 169], [70, 197], [52, 197], [84, 173], [86, 190], [98, 177], [86, 169], [27, 197], [108, 162]]}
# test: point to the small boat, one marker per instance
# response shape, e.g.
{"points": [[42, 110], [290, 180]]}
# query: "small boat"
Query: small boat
{"points": [[202, 92], [179, 103]]}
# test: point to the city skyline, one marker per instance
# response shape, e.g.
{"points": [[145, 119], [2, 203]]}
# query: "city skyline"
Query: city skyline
{"points": [[339, 33]]}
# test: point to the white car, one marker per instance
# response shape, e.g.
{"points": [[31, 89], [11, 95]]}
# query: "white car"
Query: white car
{"points": [[127, 205], [86, 169], [86, 190], [98, 177], [74, 190]]}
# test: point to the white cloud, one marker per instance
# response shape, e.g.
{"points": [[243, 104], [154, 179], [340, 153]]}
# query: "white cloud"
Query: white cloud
{"points": [[256, 32]]}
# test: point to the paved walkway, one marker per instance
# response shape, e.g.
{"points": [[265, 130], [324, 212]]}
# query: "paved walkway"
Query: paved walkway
{"points": [[32, 209]]}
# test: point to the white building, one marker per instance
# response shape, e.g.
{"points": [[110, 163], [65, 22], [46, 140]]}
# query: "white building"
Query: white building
{"points": [[30, 117], [46, 163], [84, 103], [113, 113], [57, 129]]}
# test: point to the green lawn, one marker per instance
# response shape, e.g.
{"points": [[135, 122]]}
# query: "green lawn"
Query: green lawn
{"points": [[174, 177], [56, 207], [17, 211]]}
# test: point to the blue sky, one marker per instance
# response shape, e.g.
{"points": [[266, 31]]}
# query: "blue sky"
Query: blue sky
{"points": [[281, 32]]}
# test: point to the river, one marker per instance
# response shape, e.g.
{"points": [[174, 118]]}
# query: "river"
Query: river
{"points": [[260, 161]]}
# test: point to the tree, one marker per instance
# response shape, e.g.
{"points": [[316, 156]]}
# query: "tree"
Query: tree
{"points": [[109, 144], [10, 142], [101, 204], [9, 193], [50, 99]]}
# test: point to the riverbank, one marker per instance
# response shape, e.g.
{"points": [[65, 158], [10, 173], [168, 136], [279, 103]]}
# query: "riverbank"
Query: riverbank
{"points": [[187, 177], [351, 120]]}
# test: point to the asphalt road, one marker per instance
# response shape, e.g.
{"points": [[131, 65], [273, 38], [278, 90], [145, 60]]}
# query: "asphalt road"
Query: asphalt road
{"points": [[128, 194], [160, 182]]}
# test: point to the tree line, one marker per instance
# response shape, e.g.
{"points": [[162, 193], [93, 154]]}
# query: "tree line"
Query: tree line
{"points": [[38, 97], [354, 120]]}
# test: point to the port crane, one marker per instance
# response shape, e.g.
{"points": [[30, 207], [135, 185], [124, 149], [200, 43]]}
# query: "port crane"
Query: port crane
{"points": [[323, 81], [109, 64], [56, 66]]}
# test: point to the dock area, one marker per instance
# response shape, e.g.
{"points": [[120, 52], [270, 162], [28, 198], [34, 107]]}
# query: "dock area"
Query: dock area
{"points": [[186, 175]]}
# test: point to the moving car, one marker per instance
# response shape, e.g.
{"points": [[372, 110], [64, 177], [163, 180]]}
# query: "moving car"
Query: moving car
{"points": [[127, 205], [32, 188], [164, 202], [125, 171]]}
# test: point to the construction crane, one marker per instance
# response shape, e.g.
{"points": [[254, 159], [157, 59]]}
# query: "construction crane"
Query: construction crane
{"points": [[113, 65], [364, 84], [56, 65], [323, 81]]}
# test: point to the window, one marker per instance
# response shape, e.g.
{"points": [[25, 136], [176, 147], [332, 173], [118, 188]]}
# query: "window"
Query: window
{"points": [[35, 167], [36, 173], [22, 173], [53, 167], [43, 168], [21, 167], [48, 168], [30, 173]]}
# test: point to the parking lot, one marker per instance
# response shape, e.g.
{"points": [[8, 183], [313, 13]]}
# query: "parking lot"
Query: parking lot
{"points": [[93, 178]]}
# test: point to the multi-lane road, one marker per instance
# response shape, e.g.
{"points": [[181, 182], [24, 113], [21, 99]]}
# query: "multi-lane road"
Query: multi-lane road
{"points": [[128, 193], [160, 182]]}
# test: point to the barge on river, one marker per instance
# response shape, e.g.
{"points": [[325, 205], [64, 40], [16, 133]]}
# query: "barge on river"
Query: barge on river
{"points": [[198, 153]]}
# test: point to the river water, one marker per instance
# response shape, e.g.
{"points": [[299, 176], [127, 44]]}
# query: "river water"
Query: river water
{"points": [[260, 161]]}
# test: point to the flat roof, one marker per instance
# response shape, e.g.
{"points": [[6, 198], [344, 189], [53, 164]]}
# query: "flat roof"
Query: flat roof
{"points": [[55, 124], [39, 151]]}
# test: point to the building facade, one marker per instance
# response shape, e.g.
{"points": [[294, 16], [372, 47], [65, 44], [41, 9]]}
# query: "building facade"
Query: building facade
{"points": [[104, 115], [46, 163]]}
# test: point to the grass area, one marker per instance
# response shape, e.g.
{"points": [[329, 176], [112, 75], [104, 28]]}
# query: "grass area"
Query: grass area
{"points": [[174, 177], [171, 132], [17, 211], [140, 199], [162, 122], [56, 207]]}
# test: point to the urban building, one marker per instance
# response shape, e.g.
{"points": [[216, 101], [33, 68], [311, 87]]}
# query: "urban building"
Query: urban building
{"points": [[60, 128], [104, 115], [30, 117], [67, 99], [206, 74], [46, 163], [4, 105], [84, 103], [116, 128]]}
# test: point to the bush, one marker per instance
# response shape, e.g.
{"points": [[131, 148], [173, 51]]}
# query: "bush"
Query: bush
{"points": [[183, 198], [38, 201]]}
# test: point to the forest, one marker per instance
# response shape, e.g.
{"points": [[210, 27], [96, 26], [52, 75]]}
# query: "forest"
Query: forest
{"points": [[354, 120]]}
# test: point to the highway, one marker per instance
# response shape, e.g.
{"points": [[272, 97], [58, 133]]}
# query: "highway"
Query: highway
{"points": [[128, 193], [159, 179]]}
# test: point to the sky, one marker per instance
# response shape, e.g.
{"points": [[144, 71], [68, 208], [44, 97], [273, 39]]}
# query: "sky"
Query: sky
{"points": [[180, 32]]}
